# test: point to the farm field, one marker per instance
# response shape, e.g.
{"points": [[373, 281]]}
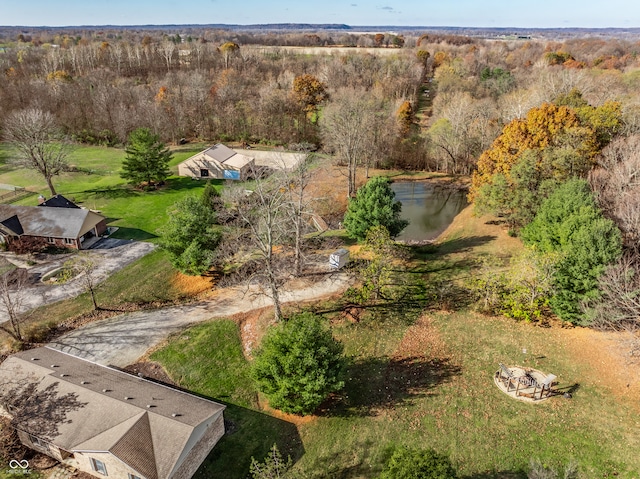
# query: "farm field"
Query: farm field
{"points": [[429, 383]]}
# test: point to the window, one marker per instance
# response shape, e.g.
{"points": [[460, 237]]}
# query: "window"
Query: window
{"points": [[98, 466], [131, 476], [50, 240], [69, 241], [36, 441], [204, 172]]}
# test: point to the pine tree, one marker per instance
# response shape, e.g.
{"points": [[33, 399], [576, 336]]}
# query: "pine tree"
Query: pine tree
{"points": [[147, 160]]}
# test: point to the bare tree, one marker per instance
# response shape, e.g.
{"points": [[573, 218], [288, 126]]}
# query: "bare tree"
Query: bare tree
{"points": [[618, 307], [262, 215], [40, 146], [617, 184], [297, 182], [167, 50], [12, 297], [347, 128], [86, 267]]}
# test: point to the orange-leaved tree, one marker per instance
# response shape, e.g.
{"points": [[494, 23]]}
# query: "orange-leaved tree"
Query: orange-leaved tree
{"points": [[309, 92]]}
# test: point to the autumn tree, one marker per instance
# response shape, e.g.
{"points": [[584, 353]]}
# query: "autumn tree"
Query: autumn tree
{"points": [[309, 92], [228, 50], [147, 159], [405, 117], [552, 144], [38, 142]]}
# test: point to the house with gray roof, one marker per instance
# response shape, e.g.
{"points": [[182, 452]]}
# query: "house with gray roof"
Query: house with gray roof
{"points": [[106, 422], [67, 227]]}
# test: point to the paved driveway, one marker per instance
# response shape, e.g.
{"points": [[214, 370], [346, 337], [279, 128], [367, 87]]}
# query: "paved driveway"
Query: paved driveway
{"points": [[121, 340], [107, 262]]}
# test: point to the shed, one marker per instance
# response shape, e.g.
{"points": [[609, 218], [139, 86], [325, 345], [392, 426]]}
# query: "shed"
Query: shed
{"points": [[339, 258]]}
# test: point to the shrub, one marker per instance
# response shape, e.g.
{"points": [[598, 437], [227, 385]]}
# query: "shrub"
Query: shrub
{"points": [[299, 364], [416, 464]]}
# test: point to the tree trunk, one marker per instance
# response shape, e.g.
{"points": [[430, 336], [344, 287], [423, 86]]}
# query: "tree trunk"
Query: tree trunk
{"points": [[50, 185]]}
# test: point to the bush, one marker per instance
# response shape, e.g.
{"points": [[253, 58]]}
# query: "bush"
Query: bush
{"points": [[416, 464], [299, 364]]}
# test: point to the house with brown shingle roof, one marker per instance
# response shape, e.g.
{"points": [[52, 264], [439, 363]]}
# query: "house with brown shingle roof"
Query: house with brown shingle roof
{"points": [[218, 161], [67, 227], [106, 422]]}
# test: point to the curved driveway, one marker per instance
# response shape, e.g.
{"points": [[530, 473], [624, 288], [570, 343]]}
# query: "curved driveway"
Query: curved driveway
{"points": [[121, 340], [107, 262]]}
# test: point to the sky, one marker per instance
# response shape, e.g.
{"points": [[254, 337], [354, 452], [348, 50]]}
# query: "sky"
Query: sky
{"points": [[462, 13]]}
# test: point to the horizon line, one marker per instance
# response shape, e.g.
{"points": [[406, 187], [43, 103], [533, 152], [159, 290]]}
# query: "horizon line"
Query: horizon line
{"points": [[318, 25]]}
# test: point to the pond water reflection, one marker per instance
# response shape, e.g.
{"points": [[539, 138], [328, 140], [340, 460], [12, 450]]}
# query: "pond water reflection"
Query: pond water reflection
{"points": [[429, 208]]}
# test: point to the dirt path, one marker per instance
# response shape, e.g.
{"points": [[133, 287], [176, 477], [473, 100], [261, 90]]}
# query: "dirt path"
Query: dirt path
{"points": [[121, 340]]}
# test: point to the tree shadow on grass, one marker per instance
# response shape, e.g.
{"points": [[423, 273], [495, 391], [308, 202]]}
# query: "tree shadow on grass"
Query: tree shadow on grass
{"points": [[460, 245], [248, 434], [180, 183], [111, 192], [376, 384], [357, 455], [132, 234]]}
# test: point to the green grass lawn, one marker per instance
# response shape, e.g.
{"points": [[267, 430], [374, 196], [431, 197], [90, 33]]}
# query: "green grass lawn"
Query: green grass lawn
{"points": [[223, 370], [95, 183], [426, 384]]}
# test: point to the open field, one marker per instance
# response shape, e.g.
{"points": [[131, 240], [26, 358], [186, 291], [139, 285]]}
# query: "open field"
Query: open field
{"points": [[429, 383]]}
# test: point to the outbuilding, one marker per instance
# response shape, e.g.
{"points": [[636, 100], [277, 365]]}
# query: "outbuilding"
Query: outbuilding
{"points": [[218, 162]]}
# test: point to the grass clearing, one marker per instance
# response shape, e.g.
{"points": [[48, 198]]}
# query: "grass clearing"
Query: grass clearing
{"points": [[94, 182], [430, 384]]}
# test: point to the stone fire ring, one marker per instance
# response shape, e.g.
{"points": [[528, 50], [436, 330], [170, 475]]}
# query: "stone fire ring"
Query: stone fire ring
{"points": [[524, 393]]}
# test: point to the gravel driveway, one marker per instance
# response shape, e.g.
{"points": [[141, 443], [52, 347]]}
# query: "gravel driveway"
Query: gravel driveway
{"points": [[108, 260], [121, 340]]}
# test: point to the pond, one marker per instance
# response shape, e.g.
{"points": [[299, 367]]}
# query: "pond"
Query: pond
{"points": [[428, 207]]}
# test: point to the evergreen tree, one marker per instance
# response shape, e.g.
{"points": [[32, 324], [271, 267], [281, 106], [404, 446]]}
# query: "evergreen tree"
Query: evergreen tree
{"points": [[570, 223], [299, 364], [374, 205], [190, 237], [147, 160]]}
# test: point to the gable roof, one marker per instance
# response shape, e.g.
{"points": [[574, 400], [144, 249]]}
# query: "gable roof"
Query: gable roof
{"points": [[221, 154], [13, 224], [53, 222], [144, 424], [59, 201]]}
